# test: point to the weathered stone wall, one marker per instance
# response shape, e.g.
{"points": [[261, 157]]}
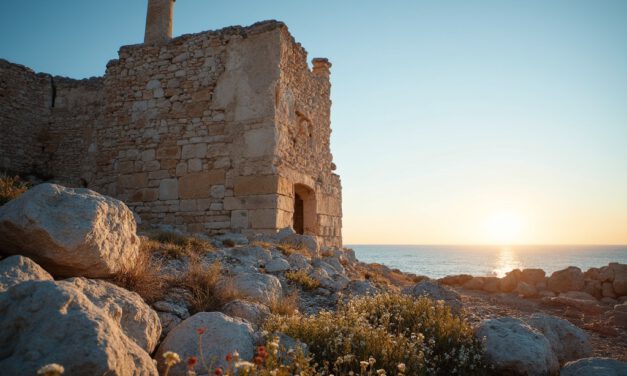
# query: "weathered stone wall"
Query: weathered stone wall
{"points": [[304, 124], [210, 132], [47, 123], [187, 122], [25, 102]]}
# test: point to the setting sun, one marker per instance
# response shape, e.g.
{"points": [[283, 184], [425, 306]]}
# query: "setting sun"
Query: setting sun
{"points": [[504, 227]]}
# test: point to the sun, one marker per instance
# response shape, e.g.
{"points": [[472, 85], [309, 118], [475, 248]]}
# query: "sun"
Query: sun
{"points": [[504, 228]]}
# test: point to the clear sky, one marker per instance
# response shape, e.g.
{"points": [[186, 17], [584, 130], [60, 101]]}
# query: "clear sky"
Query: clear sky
{"points": [[453, 121]]}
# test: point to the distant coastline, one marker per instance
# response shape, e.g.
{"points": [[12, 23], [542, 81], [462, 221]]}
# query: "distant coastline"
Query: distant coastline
{"points": [[437, 261]]}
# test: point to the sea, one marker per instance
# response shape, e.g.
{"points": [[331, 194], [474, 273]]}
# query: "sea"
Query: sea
{"points": [[437, 261]]}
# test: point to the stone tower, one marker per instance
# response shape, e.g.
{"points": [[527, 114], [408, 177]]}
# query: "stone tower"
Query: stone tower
{"points": [[159, 21]]}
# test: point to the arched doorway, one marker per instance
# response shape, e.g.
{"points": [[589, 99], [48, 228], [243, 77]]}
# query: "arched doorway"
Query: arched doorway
{"points": [[305, 219]]}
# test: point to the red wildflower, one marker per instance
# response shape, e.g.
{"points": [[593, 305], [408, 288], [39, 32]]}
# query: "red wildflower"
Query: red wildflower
{"points": [[200, 331], [191, 362], [229, 357], [218, 371]]}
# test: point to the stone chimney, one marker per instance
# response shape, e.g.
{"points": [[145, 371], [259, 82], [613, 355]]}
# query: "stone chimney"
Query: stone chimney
{"points": [[159, 21]]}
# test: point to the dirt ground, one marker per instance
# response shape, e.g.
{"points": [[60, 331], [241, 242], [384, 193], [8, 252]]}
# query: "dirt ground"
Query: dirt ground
{"points": [[606, 341]]}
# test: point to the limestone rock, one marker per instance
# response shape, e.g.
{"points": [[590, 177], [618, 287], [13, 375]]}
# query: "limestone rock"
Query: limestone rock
{"points": [[58, 323], [620, 278], [569, 279], [567, 341], [307, 242], [138, 321], [222, 335], [476, 283], [526, 290], [581, 295], [583, 305], [277, 265], [514, 348], [70, 232], [435, 291], [508, 283], [606, 274], [595, 367], [17, 269], [532, 276], [607, 290], [254, 313], [298, 261], [491, 284], [362, 288], [455, 280], [262, 288]]}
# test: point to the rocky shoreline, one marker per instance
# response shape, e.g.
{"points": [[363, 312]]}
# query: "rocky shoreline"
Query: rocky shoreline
{"points": [[82, 288]]}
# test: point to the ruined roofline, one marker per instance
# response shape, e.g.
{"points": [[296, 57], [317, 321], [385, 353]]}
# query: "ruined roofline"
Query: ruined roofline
{"points": [[94, 80]]}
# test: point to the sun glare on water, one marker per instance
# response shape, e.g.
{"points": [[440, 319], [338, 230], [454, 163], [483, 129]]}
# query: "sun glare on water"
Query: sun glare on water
{"points": [[504, 228]]}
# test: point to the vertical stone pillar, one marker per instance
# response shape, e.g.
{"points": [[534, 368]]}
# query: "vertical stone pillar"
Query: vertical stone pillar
{"points": [[321, 67], [159, 21]]}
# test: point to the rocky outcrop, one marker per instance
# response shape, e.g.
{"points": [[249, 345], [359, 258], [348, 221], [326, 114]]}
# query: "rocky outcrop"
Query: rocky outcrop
{"points": [[58, 323], [218, 334], [433, 290], [17, 269], [70, 232], [254, 313], [515, 348], [258, 287], [595, 367], [568, 342], [138, 321], [569, 279]]}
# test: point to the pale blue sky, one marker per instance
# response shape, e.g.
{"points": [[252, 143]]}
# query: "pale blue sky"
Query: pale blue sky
{"points": [[446, 114]]}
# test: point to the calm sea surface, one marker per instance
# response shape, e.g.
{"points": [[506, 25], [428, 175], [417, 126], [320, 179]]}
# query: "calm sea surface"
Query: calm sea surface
{"points": [[438, 260]]}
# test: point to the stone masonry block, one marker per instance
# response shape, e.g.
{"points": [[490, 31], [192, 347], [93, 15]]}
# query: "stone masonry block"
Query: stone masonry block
{"points": [[198, 184]]}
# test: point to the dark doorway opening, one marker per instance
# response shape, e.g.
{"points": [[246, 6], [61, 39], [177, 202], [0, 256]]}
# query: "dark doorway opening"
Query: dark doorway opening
{"points": [[299, 215]]}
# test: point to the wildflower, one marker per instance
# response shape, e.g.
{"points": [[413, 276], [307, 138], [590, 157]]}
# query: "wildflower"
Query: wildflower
{"points": [[191, 373], [171, 358], [372, 361], [363, 364], [381, 372], [258, 360], [235, 356], [53, 369], [200, 331], [401, 367], [244, 365], [191, 362], [218, 371], [228, 357]]}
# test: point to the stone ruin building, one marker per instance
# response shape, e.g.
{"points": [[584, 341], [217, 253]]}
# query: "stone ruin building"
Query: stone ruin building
{"points": [[220, 131]]}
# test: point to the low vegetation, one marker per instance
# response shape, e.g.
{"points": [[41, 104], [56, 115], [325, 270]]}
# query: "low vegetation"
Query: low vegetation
{"points": [[174, 245], [385, 333], [209, 289], [286, 305], [144, 277], [303, 279], [11, 187]]}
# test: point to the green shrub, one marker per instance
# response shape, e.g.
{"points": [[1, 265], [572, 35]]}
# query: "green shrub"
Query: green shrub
{"points": [[10, 188], [389, 330]]}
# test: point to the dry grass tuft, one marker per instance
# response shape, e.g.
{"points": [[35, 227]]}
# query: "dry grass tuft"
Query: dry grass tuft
{"points": [[302, 278], [11, 187], [209, 290], [144, 277], [285, 306], [177, 246]]}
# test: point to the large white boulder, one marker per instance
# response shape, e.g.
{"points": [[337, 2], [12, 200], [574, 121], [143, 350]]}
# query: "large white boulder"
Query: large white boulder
{"points": [[43, 322], [567, 341], [221, 335], [70, 232], [595, 367], [17, 269], [138, 321], [435, 291], [515, 348]]}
